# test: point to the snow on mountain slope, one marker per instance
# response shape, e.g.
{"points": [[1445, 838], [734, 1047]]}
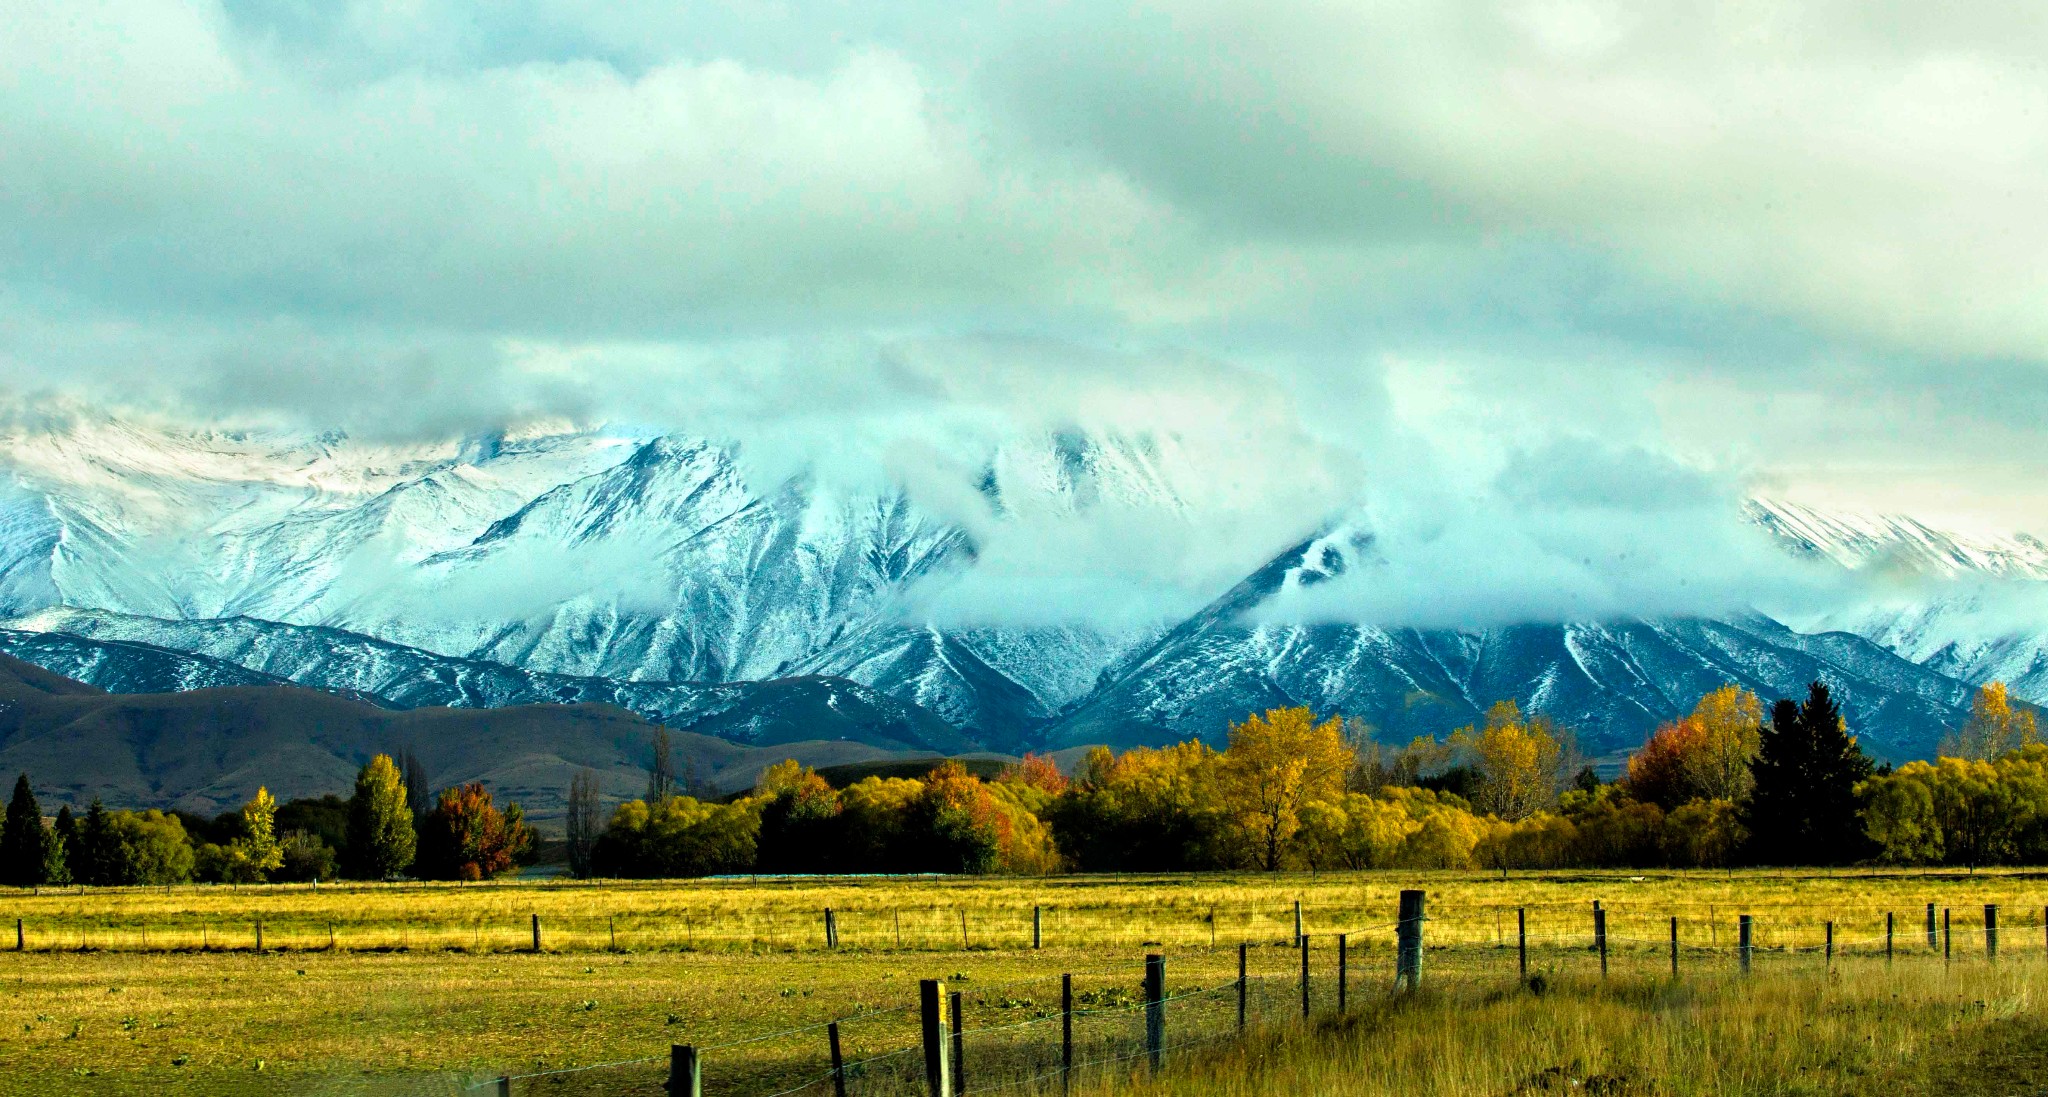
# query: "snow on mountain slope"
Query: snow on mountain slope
{"points": [[580, 553], [786, 710], [1876, 541], [1970, 607], [1612, 682]]}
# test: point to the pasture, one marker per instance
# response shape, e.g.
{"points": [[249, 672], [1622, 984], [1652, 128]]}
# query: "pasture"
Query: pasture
{"points": [[427, 988]]}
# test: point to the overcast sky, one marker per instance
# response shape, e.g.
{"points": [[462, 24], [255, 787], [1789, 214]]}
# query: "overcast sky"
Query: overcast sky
{"points": [[1724, 247]]}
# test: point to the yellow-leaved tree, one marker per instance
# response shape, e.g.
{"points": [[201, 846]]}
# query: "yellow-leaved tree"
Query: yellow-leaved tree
{"points": [[1278, 763], [1519, 760], [1995, 727]]}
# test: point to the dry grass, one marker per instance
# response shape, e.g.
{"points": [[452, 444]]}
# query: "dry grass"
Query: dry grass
{"points": [[431, 984]]}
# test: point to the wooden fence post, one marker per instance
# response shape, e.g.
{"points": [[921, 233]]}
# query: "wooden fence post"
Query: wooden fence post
{"points": [[1948, 937], [838, 1061], [1522, 940], [963, 929], [1155, 1008], [504, 1087], [685, 1072], [1243, 984], [1408, 942], [536, 933], [1744, 941], [259, 935], [1991, 931], [1933, 942], [1066, 1032], [1887, 937], [1343, 972], [20, 937], [1304, 975], [1674, 946], [1831, 944], [1600, 935], [957, 1015], [1037, 927], [1297, 922], [931, 1005]]}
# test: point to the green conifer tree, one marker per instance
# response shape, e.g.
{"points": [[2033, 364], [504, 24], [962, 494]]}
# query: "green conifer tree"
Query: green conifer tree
{"points": [[1802, 810], [23, 843]]}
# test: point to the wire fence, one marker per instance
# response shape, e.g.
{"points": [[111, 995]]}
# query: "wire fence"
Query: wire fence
{"points": [[1051, 1032]]}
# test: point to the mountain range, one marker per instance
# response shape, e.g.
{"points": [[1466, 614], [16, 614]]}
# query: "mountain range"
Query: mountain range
{"points": [[646, 573]]}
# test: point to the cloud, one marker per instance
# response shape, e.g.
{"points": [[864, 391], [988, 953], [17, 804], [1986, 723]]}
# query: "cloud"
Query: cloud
{"points": [[1540, 283]]}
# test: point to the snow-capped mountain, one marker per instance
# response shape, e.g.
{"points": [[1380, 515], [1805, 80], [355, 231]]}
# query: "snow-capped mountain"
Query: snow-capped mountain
{"points": [[593, 555], [1610, 682], [1974, 608], [651, 572]]}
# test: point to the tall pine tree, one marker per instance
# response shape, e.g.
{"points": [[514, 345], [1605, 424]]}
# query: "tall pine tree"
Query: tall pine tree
{"points": [[1802, 810], [23, 841]]}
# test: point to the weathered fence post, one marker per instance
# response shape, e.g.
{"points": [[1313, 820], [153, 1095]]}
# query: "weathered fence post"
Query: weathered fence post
{"points": [[1991, 931], [504, 1086], [957, 1015], [1408, 942], [611, 925], [259, 935], [1037, 927], [1522, 940], [1297, 922], [1933, 942], [838, 1061], [1343, 972], [685, 1072], [1674, 946], [931, 1005], [963, 930], [1744, 941], [536, 933], [831, 937], [1155, 1008], [1831, 944], [1887, 937], [1066, 1032], [1600, 935], [1948, 937], [1304, 975], [20, 937], [1243, 984]]}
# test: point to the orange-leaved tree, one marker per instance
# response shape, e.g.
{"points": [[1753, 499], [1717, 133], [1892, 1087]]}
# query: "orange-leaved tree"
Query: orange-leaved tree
{"points": [[1277, 764], [466, 837], [1701, 756]]}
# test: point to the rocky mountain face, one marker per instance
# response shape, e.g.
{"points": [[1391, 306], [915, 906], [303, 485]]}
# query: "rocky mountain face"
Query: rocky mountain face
{"points": [[648, 573]]}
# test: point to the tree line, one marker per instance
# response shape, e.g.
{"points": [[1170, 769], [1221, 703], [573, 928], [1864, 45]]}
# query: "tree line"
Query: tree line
{"points": [[388, 827], [1724, 785]]}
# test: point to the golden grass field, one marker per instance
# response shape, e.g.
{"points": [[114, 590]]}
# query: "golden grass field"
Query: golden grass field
{"points": [[428, 987]]}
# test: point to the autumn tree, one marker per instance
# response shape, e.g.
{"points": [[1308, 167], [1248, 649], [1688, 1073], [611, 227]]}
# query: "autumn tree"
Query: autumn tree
{"points": [[1277, 764], [1702, 756], [466, 837], [1520, 761], [255, 851], [1995, 727], [661, 768], [381, 838], [584, 821], [800, 827]]}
